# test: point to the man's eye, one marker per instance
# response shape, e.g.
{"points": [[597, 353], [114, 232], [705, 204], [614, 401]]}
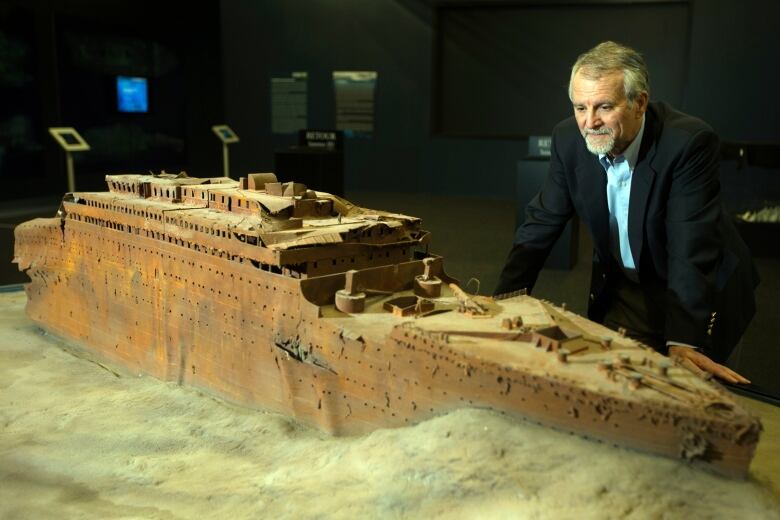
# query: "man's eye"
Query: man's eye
{"points": [[606, 107], [579, 109]]}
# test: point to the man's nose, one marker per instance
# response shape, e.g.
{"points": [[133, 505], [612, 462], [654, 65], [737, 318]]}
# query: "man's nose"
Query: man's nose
{"points": [[592, 120]]}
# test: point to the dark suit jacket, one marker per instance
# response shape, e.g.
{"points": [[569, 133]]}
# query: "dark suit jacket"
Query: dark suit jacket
{"points": [[680, 236]]}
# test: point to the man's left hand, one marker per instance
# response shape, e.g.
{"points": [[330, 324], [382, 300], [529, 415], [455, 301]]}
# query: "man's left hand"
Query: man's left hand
{"points": [[700, 363]]}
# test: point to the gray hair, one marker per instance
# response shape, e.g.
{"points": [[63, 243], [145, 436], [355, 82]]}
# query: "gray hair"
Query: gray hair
{"points": [[608, 57]]}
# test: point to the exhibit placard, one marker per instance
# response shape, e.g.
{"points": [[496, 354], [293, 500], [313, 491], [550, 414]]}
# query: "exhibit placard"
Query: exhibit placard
{"points": [[355, 102], [289, 103]]}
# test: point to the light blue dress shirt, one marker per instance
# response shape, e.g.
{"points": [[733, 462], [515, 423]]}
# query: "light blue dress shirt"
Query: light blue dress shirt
{"points": [[619, 172]]}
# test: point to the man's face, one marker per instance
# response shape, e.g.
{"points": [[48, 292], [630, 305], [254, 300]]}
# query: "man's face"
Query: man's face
{"points": [[601, 108]]}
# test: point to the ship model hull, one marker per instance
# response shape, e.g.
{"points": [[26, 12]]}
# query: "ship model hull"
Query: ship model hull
{"points": [[217, 320]]}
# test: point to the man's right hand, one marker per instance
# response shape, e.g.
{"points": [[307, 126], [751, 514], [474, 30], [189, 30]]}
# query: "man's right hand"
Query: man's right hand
{"points": [[701, 364]]}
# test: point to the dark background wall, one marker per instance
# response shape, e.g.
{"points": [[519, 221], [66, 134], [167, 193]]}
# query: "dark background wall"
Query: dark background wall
{"points": [[393, 38], [59, 62], [732, 70], [503, 69], [210, 62]]}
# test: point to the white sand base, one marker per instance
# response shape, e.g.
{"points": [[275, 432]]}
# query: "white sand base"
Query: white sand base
{"points": [[79, 439]]}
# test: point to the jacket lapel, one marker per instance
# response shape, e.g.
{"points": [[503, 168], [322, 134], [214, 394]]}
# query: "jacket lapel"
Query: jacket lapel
{"points": [[641, 186], [593, 185]]}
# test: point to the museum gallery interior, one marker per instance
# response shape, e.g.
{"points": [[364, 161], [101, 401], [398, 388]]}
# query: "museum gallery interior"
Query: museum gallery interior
{"points": [[303, 218]]}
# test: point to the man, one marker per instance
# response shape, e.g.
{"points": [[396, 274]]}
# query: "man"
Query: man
{"points": [[668, 264]]}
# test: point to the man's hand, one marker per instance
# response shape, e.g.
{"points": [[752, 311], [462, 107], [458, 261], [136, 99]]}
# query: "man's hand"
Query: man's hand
{"points": [[701, 364]]}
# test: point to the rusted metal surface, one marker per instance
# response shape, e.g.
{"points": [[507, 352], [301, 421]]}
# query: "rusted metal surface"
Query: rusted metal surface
{"points": [[279, 297]]}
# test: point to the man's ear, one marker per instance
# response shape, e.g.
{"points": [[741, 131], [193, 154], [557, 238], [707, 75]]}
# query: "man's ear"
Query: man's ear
{"points": [[640, 102]]}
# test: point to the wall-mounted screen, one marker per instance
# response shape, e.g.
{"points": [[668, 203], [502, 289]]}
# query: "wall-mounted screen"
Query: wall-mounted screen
{"points": [[132, 94]]}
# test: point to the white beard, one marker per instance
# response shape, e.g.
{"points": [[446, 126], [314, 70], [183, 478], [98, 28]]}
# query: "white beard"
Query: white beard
{"points": [[604, 146]]}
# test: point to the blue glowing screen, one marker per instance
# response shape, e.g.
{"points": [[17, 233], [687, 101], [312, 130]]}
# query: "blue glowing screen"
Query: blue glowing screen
{"points": [[132, 94]]}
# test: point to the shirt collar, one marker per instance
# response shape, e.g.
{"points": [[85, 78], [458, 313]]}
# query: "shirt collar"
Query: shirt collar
{"points": [[631, 154]]}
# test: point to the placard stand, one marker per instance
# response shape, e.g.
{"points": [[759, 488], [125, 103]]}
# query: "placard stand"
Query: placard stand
{"points": [[227, 136], [70, 141]]}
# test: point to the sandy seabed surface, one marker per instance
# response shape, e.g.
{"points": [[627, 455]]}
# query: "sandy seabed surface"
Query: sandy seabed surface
{"points": [[81, 438]]}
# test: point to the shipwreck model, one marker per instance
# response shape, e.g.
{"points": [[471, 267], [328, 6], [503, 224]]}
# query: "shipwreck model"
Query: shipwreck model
{"points": [[279, 297]]}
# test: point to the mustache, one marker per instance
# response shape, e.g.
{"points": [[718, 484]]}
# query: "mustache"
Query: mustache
{"points": [[600, 131]]}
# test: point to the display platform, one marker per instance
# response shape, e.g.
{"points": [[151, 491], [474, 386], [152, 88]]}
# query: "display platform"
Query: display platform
{"points": [[83, 438]]}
